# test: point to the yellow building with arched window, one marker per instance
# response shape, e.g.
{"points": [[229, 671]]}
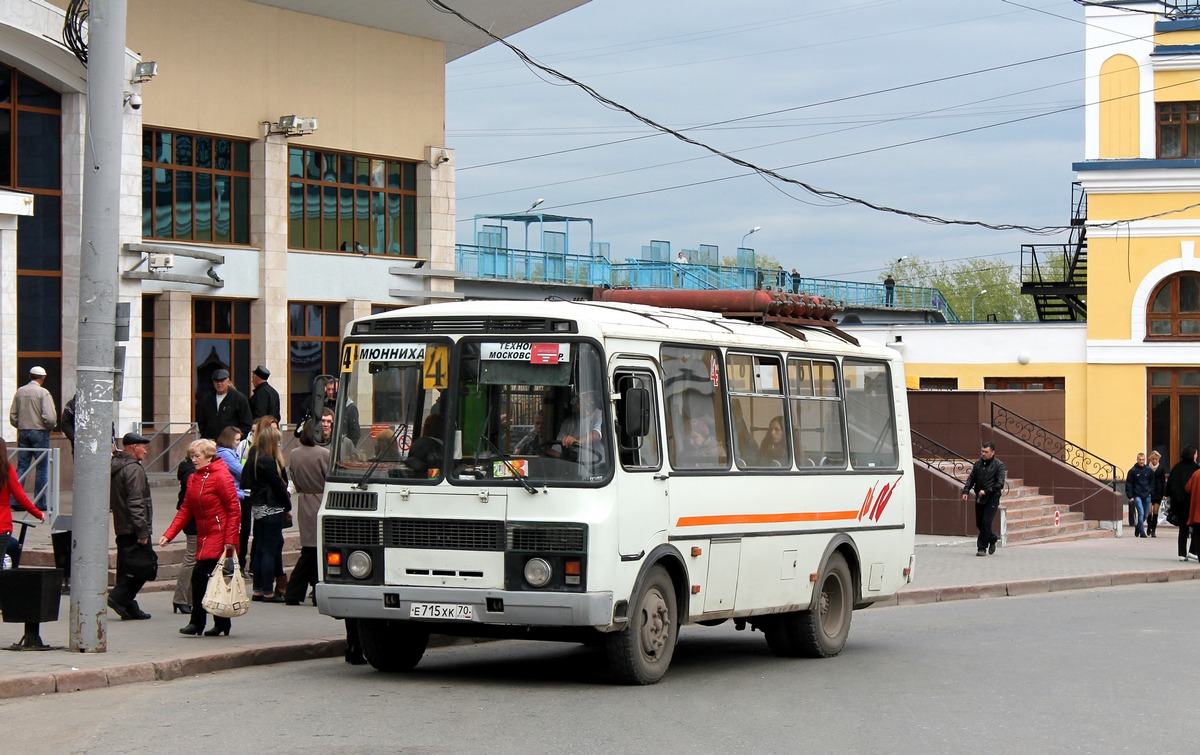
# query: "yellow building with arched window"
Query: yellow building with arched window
{"points": [[1131, 372]]}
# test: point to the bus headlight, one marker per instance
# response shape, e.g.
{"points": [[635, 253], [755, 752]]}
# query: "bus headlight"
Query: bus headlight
{"points": [[537, 572], [359, 564]]}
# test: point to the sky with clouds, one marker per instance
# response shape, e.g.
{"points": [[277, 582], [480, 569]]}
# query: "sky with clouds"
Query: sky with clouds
{"points": [[961, 109]]}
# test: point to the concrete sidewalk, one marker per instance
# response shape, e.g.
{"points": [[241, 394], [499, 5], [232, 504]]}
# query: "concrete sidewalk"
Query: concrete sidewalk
{"points": [[946, 569]]}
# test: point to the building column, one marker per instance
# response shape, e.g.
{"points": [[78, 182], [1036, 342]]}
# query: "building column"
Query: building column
{"points": [[173, 358], [268, 232], [435, 213], [12, 205]]}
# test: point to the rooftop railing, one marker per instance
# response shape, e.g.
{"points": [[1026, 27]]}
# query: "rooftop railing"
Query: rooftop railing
{"points": [[587, 270]]}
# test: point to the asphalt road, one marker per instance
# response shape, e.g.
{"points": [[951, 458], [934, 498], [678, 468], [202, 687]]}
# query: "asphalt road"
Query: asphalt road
{"points": [[1106, 670]]}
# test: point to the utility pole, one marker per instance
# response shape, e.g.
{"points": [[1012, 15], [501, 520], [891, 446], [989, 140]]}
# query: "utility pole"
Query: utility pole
{"points": [[99, 258]]}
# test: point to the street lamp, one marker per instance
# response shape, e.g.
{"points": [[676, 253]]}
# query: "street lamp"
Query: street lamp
{"points": [[755, 229], [973, 298], [535, 204]]}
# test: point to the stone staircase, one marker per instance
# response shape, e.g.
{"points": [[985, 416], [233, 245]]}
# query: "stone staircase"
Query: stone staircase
{"points": [[1027, 516]]}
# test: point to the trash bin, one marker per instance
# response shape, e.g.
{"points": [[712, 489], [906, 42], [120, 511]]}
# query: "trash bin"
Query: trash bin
{"points": [[62, 555], [30, 596]]}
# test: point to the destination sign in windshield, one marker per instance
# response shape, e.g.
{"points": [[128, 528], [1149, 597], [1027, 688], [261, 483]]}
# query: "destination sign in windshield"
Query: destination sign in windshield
{"points": [[526, 351]]}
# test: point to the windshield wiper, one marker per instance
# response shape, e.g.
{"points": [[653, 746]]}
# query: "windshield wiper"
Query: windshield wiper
{"points": [[362, 483], [518, 474]]}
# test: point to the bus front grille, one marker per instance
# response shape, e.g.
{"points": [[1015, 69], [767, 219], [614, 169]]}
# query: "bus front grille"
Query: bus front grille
{"points": [[352, 500], [444, 534], [547, 538], [352, 531]]}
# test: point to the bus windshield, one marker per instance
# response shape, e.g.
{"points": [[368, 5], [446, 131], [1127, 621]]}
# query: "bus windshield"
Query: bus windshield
{"points": [[529, 412], [390, 396]]}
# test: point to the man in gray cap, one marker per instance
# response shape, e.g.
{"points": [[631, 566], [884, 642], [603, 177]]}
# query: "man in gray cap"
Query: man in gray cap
{"points": [[132, 511], [34, 416], [224, 407], [264, 399]]}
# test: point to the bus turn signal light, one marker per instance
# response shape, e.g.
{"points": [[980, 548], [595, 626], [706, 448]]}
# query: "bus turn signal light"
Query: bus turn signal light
{"points": [[333, 559], [572, 567]]}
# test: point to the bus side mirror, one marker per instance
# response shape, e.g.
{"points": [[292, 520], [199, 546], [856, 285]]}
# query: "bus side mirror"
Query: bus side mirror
{"points": [[636, 419]]}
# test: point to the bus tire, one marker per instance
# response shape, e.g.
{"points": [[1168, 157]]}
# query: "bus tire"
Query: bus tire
{"points": [[392, 645], [820, 632], [641, 652]]}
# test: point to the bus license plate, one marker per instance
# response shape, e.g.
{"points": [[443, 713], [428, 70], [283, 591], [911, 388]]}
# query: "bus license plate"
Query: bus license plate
{"points": [[451, 611]]}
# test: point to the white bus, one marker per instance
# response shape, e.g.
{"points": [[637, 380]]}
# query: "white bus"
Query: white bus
{"points": [[607, 471]]}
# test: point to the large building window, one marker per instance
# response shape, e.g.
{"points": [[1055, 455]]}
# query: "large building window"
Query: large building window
{"points": [[1174, 312], [31, 161], [220, 340], [195, 187], [313, 333], [1179, 129], [351, 203]]}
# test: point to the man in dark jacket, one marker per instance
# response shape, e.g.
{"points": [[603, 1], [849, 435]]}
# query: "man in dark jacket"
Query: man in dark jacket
{"points": [[1139, 486], [132, 510], [264, 399], [987, 482], [224, 407]]}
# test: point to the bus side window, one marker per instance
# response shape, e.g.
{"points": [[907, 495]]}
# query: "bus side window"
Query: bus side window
{"points": [[643, 451], [693, 392]]}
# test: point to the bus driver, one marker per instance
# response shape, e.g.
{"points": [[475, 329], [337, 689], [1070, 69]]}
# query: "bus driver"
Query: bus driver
{"points": [[579, 436]]}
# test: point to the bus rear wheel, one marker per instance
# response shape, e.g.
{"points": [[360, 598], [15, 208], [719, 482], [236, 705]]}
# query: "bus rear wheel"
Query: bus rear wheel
{"points": [[392, 645], [641, 652], [821, 631]]}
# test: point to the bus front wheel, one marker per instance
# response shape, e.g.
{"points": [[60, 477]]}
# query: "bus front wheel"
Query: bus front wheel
{"points": [[641, 652], [821, 631], [392, 645]]}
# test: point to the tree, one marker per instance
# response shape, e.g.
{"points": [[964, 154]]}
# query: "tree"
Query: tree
{"points": [[961, 281]]}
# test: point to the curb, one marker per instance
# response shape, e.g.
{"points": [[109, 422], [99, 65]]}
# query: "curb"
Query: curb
{"points": [[1015, 588]]}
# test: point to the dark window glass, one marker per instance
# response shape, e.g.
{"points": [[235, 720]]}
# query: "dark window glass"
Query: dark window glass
{"points": [[39, 313], [241, 317], [1189, 293], [40, 235], [313, 349], [6, 75], [870, 424], [209, 201], [31, 93], [222, 316], [203, 207], [38, 144], [202, 321], [6, 176], [382, 221], [148, 320], [241, 157]]}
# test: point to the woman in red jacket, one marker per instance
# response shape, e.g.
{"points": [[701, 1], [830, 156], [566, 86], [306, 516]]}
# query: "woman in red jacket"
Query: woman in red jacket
{"points": [[211, 502], [11, 486]]}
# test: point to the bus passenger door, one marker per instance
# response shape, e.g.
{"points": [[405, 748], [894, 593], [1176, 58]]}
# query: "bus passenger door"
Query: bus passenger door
{"points": [[642, 503]]}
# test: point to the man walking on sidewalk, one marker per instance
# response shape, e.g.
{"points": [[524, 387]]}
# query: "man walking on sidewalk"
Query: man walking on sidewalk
{"points": [[34, 416], [987, 481], [1139, 486], [132, 510]]}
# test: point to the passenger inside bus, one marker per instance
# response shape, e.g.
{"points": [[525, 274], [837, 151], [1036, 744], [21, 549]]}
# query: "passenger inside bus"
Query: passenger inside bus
{"points": [[700, 448], [534, 442], [773, 450], [425, 458]]}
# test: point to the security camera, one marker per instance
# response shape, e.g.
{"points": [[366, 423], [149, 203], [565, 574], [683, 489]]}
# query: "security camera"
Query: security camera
{"points": [[135, 101]]}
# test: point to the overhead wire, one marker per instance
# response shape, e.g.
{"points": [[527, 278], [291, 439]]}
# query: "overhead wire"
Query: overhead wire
{"points": [[836, 196]]}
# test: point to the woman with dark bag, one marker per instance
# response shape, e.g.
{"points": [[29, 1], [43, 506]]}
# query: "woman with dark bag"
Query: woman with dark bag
{"points": [[211, 502], [265, 477], [1181, 502], [11, 486], [1159, 471], [308, 465]]}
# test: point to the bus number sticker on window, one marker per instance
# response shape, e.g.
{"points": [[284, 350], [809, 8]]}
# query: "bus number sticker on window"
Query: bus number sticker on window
{"points": [[544, 353], [714, 372], [349, 357], [437, 372]]}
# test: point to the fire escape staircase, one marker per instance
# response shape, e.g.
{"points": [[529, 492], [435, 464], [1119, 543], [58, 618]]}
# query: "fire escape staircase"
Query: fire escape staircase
{"points": [[1055, 275]]}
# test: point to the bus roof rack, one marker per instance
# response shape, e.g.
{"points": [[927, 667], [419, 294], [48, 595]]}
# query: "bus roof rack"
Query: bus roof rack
{"points": [[778, 309]]}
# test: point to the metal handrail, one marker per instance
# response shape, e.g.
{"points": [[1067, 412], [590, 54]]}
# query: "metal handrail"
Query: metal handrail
{"points": [[190, 434], [936, 456], [1055, 446], [48, 498]]}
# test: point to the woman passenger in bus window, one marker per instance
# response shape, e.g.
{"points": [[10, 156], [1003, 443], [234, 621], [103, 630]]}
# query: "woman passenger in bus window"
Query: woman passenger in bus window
{"points": [[773, 451]]}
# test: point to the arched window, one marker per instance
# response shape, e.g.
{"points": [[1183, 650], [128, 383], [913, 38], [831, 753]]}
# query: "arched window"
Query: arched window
{"points": [[1174, 313]]}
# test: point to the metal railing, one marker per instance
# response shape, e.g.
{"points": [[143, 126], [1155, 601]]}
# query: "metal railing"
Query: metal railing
{"points": [[940, 458], [46, 499], [587, 270], [191, 433], [1055, 446]]}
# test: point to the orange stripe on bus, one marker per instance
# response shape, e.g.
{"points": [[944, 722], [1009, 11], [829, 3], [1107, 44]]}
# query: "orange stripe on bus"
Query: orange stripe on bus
{"points": [[795, 516]]}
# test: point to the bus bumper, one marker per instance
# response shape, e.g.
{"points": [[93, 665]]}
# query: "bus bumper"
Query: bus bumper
{"points": [[534, 609]]}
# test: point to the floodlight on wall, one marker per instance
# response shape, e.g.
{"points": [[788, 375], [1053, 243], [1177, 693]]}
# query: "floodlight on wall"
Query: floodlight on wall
{"points": [[144, 71], [292, 125]]}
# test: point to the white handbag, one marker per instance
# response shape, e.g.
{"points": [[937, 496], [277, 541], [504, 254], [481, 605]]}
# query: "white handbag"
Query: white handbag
{"points": [[226, 593]]}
